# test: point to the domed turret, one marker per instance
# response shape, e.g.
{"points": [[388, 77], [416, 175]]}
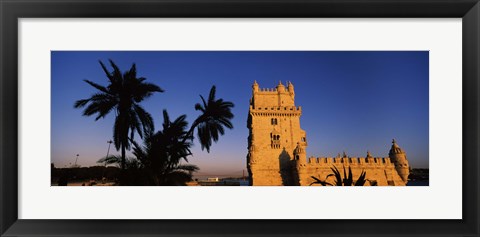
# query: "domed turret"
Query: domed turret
{"points": [[399, 158], [280, 87], [395, 149], [291, 89], [290, 86]]}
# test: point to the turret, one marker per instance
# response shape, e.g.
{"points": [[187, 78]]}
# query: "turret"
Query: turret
{"points": [[255, 86], [252, 151], [280, 87], [399, 158], [300, 154], [291, 89]]}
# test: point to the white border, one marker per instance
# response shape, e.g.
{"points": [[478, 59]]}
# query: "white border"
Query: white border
{"points": [[441, 200]]}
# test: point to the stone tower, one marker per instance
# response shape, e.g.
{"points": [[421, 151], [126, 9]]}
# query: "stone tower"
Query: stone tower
{"points": [[277, 148], [399, 158], [274, 135]]}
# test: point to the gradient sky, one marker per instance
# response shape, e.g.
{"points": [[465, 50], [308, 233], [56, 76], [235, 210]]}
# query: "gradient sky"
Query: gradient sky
{"points": [[351, 101]]}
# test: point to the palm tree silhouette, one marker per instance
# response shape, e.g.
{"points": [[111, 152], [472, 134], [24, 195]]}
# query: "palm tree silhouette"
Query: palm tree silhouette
{"points": [[163, 151], [216, 114], [122, 95]]}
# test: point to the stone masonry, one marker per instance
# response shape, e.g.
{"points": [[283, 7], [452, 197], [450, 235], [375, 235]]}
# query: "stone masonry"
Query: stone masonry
{"points": [[277, 147]]}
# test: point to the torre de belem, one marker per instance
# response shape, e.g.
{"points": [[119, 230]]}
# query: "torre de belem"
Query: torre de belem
{"points": [[277, 147]]}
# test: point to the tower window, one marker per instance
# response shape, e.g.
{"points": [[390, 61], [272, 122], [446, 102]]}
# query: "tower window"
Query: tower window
{"points": [[274, 121], [275, 140], [274, 137]]}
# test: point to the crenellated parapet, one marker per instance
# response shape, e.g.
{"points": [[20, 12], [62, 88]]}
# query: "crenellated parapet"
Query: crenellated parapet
{"points": [[267, 90], [280, 88], [276, 110], [349, 161], [379, 171]]}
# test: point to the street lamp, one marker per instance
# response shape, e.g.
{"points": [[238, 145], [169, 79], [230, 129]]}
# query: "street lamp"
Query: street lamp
{"points": [[108, 151], [106, 159], [76, 160]]}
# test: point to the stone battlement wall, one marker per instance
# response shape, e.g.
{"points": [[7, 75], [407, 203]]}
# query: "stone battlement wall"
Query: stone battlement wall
{"points": [[379, 171], [350, 161]]}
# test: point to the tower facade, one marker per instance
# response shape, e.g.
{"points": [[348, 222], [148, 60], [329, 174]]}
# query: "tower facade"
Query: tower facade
{"points": [[274, 133], [277, 148]]}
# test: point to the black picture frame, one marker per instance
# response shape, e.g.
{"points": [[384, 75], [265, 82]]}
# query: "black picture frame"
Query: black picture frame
{"points": [[11, 11]]}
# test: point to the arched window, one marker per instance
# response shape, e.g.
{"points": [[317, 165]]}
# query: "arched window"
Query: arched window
{"points": [[274, 121], [275, 141]]}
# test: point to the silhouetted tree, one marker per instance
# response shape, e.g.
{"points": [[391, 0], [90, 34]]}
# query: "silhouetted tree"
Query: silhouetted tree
{"points": [[134, 173], [163, 151], [122, 95], [158, 160], [216, 114]]}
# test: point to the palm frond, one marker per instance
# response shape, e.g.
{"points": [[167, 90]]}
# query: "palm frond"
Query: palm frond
{"points": [[186, 167], [211, 96], [111, 159], [145, 119], [81, 103], [107, 73], [97, 86]]}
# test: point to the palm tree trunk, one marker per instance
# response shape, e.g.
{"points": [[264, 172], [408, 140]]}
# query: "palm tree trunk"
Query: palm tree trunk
{"points": [[123, 171], [123, 158]]}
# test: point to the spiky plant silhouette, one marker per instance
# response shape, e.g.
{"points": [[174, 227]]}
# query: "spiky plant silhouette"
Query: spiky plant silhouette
{"points": [[347, 180], [163, 151]]}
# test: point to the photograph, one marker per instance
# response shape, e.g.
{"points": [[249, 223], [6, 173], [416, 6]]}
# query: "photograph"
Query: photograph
{"points": [[240, 118]]}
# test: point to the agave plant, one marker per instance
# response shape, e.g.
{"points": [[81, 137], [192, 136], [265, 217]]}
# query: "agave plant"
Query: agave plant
{"points": [[347, 180]]}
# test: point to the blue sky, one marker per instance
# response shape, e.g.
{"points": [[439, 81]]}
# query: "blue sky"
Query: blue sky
{"points": [[351, 101]]}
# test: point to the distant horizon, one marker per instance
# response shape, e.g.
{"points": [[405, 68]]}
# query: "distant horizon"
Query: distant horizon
{"points": [[351, 101]]}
